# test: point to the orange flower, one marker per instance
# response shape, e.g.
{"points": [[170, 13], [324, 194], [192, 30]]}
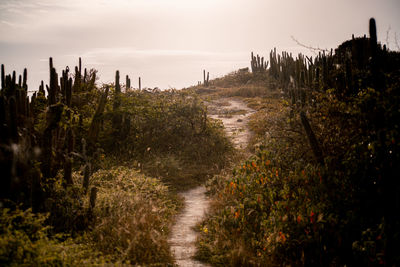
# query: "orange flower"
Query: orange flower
{"points": [[276, 173], [237, 214], [267, 162], [282, 237], [303, 173], [253, 164], [298, 219]]}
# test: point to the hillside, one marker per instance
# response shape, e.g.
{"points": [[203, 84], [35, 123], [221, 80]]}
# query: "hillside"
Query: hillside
{"points": [[299, 157]]}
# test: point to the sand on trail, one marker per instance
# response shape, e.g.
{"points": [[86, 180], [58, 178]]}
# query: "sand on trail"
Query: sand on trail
{"points": [[234, 114]]}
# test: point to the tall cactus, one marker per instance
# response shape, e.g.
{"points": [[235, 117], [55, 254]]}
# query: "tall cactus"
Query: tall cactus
{"points": [[53, 117], [378, 79], [312, 139], [128, 83], [206, 79], [3, 81], [24, 85], [97, 117], [86, 176], [13, 126], [117, 118], [52, 89], [69, 140]]}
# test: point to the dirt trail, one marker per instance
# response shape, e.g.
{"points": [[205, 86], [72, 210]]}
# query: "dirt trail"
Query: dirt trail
{"points": [[234, 115]]}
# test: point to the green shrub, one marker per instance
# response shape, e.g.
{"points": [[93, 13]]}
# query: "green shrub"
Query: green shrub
{"points": [[25, 241], [169, 135]]}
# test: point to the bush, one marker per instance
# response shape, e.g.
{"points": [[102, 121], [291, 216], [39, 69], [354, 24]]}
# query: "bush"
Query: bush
{"points": [[25, 240], [282, 207], [133, 215], [169, 134]]}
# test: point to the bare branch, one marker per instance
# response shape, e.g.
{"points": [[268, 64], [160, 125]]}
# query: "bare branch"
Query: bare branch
{"points": [[312, 49], [396, 42], [387, 37]]}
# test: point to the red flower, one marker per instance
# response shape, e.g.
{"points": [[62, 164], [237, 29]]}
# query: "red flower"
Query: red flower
{"points": [[282, 237], [312, 217]]}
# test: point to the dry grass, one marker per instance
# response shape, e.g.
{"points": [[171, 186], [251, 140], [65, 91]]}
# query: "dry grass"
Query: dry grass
{"points": [[133, 215]]}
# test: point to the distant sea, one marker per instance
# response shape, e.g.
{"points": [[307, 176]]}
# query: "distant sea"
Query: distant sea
{"points": [[164, 69]]}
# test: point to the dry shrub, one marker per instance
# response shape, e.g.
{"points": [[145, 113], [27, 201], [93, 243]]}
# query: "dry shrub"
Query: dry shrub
{"points": [[133, 216]]}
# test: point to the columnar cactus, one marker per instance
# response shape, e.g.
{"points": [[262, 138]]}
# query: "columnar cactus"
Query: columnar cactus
{"points": [[24, 85], [258, 64], [117, 118], [97, 117], [3, 81], [128, 83], [206, 79], [86, 176]]}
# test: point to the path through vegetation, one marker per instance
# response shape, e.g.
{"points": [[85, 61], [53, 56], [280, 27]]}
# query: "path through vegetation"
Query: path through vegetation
{"points": [[234, 115]]}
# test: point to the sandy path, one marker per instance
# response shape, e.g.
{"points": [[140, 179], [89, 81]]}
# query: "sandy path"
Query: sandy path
{"points": [[234, 115], [183, 236]]}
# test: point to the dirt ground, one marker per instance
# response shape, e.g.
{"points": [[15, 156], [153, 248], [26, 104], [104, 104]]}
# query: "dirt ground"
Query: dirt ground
{"points": [[234, 114]]}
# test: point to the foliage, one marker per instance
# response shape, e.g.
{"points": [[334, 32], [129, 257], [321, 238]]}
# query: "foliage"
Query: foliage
{"points": [[73, 138], [24, 240], [169, 136], [281, 207], [129, 225]]}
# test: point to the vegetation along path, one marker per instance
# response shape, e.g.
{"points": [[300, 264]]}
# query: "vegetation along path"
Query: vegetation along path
{"points": [[234, 115]]}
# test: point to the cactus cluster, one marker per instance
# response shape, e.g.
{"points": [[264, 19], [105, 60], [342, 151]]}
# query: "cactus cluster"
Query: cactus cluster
{"points": [[30, 154], [335, 69], [343, 69], [258, 64]]}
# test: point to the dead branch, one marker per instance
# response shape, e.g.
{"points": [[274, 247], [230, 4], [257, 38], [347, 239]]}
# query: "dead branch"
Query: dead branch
{"points": [[309, 47]]}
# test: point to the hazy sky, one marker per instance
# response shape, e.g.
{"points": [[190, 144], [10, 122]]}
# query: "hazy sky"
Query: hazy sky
{"points": [[169, 42]]}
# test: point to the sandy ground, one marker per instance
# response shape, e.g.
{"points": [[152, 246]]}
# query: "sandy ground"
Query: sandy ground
{"points": [[234, 115]]}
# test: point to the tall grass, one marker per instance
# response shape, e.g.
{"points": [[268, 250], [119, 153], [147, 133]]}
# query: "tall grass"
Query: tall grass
{"points": [[133, 214], [129, 225]]}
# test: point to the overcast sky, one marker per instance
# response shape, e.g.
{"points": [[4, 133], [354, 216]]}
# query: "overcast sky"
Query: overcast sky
{"points": [[169, 42]]}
